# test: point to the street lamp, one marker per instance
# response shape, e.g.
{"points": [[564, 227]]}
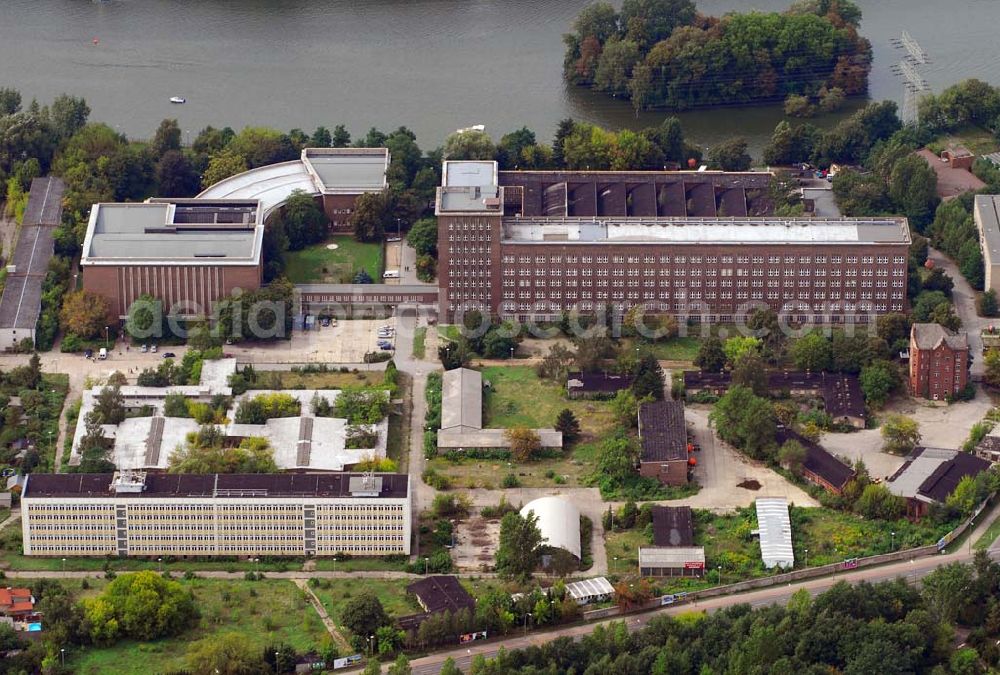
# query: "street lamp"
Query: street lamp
{"points": [[511, 352], [64, 564], [526, 617], [426, 560], [893, 535], [616, 562], [371, 650], [62, 657], [107, 342], [807, 557], [720, 574], [160, 562], [453, 533]]}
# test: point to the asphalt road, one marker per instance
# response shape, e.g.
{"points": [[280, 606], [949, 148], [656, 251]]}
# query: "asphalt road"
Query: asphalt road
{"points": [[911, 570]]}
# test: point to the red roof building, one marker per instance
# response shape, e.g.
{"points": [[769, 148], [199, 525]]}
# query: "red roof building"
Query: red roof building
{"points": [[16, 602]]}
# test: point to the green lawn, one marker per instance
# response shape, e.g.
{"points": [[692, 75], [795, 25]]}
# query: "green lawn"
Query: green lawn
{"points": [[4, 514], [518, 397], [675, 349], [991, 533], [55, 386], [318, 264], [419, 342], [978, 140], [390, 564], [262, 613]]}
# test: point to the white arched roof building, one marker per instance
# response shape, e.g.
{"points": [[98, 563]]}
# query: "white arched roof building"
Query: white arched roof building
{"points": [[558, 521]]}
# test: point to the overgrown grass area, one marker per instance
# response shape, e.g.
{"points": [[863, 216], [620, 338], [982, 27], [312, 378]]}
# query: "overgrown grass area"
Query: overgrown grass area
{"points": [[674, 349], [319, 264], [4, 514], [72, 415], [829, 536], [449, 331], [334, 594], [978, 140], [991, 533], [420, 342], [332, 379], [54, 387], [518, 397], [262, 613], [387, 564]]}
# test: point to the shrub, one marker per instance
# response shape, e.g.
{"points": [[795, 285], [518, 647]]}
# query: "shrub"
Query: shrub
{"points": [[510, 481]]}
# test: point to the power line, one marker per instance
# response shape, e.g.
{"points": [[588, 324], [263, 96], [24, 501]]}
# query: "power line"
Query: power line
{"points": [[914, 84]]}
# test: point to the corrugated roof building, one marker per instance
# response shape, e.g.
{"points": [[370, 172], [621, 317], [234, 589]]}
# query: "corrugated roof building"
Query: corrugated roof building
{"points": [[775, 530]]}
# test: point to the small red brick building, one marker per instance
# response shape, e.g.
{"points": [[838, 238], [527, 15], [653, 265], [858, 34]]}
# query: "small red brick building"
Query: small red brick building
{"points": [[664, 442], [939, 361]]}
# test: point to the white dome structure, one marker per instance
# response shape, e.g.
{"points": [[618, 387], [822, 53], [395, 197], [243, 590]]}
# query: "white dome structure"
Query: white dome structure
{"points": [[558, 521]]}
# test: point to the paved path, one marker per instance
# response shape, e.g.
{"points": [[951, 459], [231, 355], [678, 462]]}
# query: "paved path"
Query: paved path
{"points": [[321, 610], [15, 517], [964, 300]]}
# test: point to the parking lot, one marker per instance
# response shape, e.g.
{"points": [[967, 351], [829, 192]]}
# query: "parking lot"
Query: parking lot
{"points": [[346, 342]]}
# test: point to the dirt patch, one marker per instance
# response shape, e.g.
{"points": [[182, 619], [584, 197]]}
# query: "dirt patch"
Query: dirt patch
{"points": [[749, 484]]}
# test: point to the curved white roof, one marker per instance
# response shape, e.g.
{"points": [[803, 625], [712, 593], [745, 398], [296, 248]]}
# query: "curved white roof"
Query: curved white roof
{"points": [[558, 521], [271, 184]]}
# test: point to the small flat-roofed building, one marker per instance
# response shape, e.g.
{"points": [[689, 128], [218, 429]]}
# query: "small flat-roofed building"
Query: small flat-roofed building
{"points": [[939, 361], [673, 552], [558, 521], [930, 475], [775, 530], [986, 213], [123, 514], [186, 253], [596, 385], [663, 437]]}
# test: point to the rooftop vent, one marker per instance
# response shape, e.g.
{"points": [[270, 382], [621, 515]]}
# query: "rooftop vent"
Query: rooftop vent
{"points": [[365, 485], [128, 481]]}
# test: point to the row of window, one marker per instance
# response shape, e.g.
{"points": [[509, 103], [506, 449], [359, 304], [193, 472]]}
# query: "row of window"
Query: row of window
{"points": [[681, 283], [682, 272], [694, 308], [649, 259], [788, 294]]}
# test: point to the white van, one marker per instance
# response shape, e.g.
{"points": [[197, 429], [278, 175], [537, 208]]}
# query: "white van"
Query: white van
{"points": [[103, 354], [390, 274]]}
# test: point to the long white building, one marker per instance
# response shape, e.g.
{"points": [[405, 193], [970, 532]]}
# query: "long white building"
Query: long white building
{"points": [[132, 513]]}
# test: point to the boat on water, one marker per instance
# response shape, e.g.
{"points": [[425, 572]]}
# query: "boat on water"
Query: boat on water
{"points": [[178, 99]]}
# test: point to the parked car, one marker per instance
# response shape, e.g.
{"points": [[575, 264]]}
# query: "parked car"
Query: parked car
{"points": [[103, 354], [88, 353], [144, 348], [153, 349], [227, 355], [324, 322], [385, 348], [169, 355]]}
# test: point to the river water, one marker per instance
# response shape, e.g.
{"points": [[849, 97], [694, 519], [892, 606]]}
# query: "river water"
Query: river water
{"points": [[432, 65]]}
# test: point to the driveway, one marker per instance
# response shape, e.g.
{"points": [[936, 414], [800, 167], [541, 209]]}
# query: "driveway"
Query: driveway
{"points": [[964, 300]]}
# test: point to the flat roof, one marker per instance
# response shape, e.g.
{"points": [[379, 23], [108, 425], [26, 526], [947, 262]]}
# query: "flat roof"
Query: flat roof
{"points": [[347, 170], [225, 232], [764, 230], [468, 173], [775, 527], [671, 556], [987, 214], [216, 486]]}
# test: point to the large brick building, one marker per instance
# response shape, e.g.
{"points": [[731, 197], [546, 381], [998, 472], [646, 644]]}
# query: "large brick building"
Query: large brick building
{"points": [[537, 244], [939, 361], [187, 253]]}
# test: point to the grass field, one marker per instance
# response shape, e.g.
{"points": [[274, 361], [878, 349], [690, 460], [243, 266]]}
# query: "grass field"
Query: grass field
{"points": [[55, 387], [419, 342], [334, 379], [261, 612], [978, 140], [674, 349], [318, 264], [992, 532], [336, 593]]}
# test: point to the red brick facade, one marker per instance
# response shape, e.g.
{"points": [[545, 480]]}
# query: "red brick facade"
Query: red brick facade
{"points": [[940, 368], [478, 268], [673, 472]]}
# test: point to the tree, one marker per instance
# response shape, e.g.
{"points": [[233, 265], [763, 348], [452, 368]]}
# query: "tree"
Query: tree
{"points": [[85, 314], [878, 380], [10, 101], [877, 503], [469, 144], [321, 138], [166, 138], [225, 654], [423, 236], [617, 457], [341, 138], [401, 666], [363, 614], [109, 405], [449, 667], [648, 379], [655, 20], [614, 68], [711, 358], [790, 145], [986, 304], [204, 453], [519, 549], [736, 346], [991, 362], [222, 166], [799, 106], [749, 371], [946, 589], [176, 176], [625, 408], [68, 115], [592, 351], [730, 155], [894, 329], [568, 425], [792, 455], [900, 434], [524, 443], [744, 420], [373, 213], [141, 606], [812, 352], [304, 221], [455, 354]]}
